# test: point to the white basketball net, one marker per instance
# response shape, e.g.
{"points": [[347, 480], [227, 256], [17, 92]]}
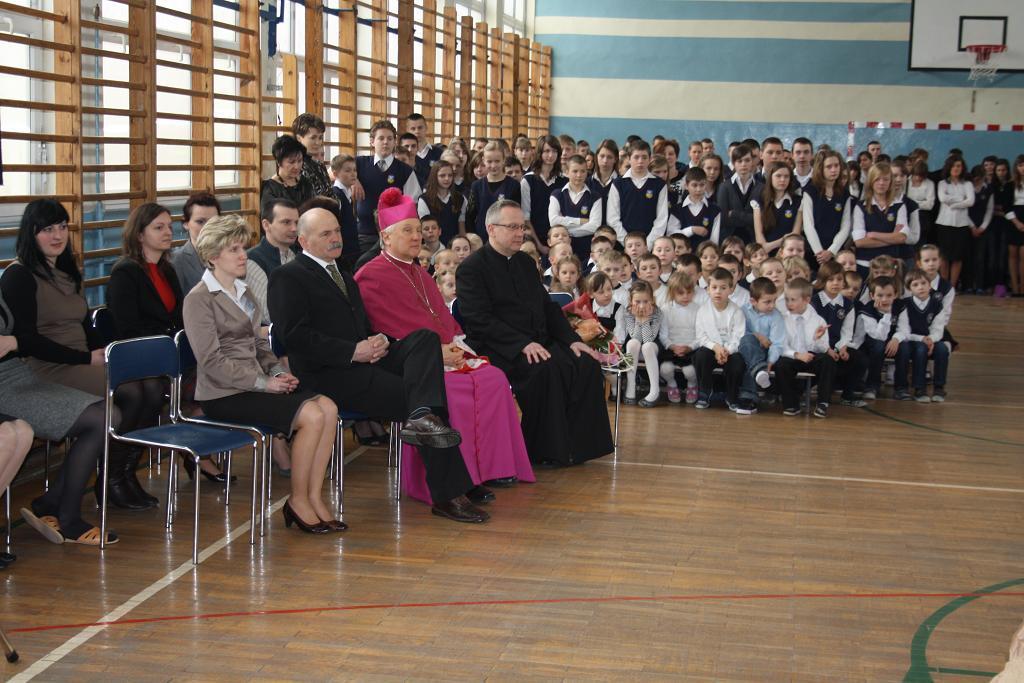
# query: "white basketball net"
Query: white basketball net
{"points": [[985, 66]]}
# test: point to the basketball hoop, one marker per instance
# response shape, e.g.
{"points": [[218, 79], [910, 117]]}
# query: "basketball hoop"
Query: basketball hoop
{"points": [[984, 66]]}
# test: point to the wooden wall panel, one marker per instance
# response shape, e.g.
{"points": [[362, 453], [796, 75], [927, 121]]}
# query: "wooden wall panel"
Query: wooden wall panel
{"points": [[466, 87], [448, 108], [405, 63]]}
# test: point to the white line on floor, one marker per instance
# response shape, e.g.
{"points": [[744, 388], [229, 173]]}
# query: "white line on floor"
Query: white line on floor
{"points": [[821, 477], [145, 594]]}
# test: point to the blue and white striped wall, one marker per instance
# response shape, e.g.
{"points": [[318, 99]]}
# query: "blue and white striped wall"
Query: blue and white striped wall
{"points": [[731, 69]]}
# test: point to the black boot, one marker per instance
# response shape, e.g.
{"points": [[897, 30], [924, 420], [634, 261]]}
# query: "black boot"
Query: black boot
{"points": [[132, 480], [120, 493]]}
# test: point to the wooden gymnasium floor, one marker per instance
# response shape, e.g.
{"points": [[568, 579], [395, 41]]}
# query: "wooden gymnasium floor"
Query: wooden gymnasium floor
{"points": [[716, 548]]}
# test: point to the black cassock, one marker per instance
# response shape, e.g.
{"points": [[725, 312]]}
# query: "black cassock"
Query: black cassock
{"points": [[504, 307]]}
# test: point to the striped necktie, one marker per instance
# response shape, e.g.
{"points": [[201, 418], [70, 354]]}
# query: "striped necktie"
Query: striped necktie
{"points": [[338, 279]]}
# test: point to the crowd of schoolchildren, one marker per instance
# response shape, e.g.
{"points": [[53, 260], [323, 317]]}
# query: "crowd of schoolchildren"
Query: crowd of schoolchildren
{"points": [[724, 281]]}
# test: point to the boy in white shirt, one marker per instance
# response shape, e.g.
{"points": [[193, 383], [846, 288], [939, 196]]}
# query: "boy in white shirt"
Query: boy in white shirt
{"points": [[739, 295], [805, 350], [720, 326], [611, 264], [876, 333]]}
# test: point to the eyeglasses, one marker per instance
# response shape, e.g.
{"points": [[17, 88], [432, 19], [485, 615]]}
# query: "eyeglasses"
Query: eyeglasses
{"points": [[513, 228]]}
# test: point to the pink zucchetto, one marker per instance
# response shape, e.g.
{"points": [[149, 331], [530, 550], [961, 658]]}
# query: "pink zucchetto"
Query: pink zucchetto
{"points": [[394, 207]]}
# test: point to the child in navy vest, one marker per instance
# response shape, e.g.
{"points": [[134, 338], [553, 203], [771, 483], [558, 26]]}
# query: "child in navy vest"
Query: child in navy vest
{"points": [[695, 217], [827, 211], [840, 314], [986, 256], [575, 207], [540, 183], [777, 210], [638, 201], [493, 187], [921, 325], [378, 172], [444, 203], [876, 334], [877, 220]]}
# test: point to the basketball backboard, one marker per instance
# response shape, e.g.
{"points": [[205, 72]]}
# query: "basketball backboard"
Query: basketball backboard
{"points": [[941, 30]]}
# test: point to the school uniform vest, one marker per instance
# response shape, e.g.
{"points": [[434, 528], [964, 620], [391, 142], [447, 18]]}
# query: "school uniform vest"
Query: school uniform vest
{"points": [[424, 164], [349, 223], [638, 207], [907, 251], [447, 215], [921, 320], [599, 189], [705, 218], [942, 289], [834, 315], [870, 311], [374, 182], [485, 196], [977, 211], [609, 323], [828, 213], [879, 221], [785, 217], [582, 210], [540, 200]]}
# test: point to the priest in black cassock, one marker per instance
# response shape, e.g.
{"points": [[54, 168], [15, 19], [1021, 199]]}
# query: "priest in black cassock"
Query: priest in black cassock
{"points": [[509, 317]]}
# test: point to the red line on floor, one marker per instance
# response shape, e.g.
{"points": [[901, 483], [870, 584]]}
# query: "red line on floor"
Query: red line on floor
{"points": [[544, 601]]}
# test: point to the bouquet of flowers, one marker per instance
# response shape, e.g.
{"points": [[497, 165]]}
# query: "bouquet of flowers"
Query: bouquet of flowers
{"points": [[581, 316]]}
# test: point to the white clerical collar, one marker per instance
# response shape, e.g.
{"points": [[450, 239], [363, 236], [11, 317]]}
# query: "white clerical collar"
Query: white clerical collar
{"points": [[395, 258], [214, 285], [387, 160], [323, 264]]}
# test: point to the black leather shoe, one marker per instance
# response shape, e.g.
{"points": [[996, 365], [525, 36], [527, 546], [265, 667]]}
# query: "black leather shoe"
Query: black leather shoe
{"points": [[480, 494], [502, 482], [460, 510], [132, 483], [120, 495], [430, 431]]}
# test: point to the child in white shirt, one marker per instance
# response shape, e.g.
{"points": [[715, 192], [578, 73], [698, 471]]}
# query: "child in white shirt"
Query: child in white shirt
{"points": [[720, 326], [678, 337]]}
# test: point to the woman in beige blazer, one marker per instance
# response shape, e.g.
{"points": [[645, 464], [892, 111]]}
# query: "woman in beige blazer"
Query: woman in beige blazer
{"points": [[239, 379]]}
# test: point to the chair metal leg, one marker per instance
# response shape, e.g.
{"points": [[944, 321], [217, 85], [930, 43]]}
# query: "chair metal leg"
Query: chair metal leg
{"points": [[227, 482], [398, 465], [46, 466], [171, 477], [339, 463], [195, 519], [264, 477], [7, 506], [258, 456], [106, 488], [9, 652], [618, 404]]}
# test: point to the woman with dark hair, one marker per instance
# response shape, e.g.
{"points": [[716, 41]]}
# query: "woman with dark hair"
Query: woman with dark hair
{"points": [[288, 182], [309, 130], [777, 210], [544, 178], [606, 159], [952, 226], [43, 289]]}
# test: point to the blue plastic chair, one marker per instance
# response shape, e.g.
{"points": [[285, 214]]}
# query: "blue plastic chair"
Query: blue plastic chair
{"points": [[561, 298], [134, 359], [186, 363]]}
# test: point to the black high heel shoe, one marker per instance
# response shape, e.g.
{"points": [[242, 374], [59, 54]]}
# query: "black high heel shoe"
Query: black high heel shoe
{"points": [[219, 478], [291, 518]]}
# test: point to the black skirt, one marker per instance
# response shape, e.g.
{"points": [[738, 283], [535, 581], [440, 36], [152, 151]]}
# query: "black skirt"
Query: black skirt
{"points": [[259, 409], [954, 243]]}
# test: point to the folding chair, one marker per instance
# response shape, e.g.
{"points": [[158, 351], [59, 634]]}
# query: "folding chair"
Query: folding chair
{"points": [[135, 359], [265, 435]]}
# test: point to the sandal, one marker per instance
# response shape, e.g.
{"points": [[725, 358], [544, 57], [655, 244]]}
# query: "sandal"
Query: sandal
{"points": [[47, 525], [92, 537]]}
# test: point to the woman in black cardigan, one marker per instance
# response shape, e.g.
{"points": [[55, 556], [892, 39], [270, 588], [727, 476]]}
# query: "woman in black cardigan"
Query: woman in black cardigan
{"points": [[144, 298]]}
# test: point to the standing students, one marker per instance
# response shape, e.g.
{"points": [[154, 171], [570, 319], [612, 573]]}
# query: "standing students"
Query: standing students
{"points": [[826, 208], [879, 224], [606, 158], [443, 202], [638, 201], [576, 207], [536, 187], [378, 172], [494, 186]]}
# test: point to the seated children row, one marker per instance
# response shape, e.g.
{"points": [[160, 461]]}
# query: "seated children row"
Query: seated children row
{"points": [[656, 322]]}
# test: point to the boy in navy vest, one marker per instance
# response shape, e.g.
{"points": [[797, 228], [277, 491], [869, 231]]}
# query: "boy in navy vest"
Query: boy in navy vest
{"points": [[638, 201], [576, 207], [696, 218], [734, 196], [840, 314], [876, 334], [343, 167], [377, 172], [921, 326], [425, 154]]}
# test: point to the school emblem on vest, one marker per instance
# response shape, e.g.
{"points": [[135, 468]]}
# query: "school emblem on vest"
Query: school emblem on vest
{"points": [[706, 222], [839, 207], [391, 180], [500, 197], [930, 317], [789, 213], [891, 217], [841, 313], [649, 194], [584, 211]]}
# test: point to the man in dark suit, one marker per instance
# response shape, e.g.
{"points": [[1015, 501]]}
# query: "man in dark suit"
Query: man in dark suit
{"points": [[509, 317], [280, 220], [319, 315]]}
